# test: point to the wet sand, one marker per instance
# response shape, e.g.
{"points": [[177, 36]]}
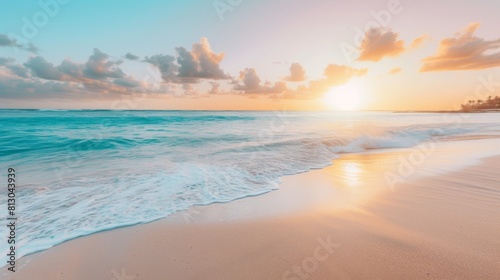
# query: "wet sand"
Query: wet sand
{"points": [[341, 222]]}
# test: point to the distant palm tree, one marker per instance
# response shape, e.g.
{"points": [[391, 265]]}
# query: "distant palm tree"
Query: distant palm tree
{"points": [[490, 103]]}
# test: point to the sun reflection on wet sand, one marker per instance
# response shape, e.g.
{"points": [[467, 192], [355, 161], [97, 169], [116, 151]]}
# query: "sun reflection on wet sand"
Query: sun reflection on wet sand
{"points": [[352, 173], [360, 177]]}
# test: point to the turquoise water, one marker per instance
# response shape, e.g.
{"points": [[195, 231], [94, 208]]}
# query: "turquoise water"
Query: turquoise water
{"points": [[81, 172]]}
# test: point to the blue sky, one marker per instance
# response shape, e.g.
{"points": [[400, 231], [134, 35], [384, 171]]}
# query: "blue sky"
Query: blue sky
{"points": [[80, 26]]}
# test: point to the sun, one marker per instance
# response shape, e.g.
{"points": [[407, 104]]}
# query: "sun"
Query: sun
{"points": [[345, 98]]}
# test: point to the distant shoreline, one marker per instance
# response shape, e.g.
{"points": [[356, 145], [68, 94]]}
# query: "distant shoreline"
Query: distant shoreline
{"points": [[453, 111]]}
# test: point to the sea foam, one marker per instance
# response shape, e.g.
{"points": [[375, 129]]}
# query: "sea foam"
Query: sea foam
{"points": [[81, 172]]}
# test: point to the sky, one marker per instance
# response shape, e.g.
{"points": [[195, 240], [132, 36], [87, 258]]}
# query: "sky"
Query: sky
{"points": [[248, 54]]}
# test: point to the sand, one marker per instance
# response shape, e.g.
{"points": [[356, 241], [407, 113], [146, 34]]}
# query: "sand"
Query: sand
{"points": [[341, 222]]}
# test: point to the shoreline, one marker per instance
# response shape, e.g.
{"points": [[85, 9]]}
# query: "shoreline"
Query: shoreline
{"points": [[369, 226]]}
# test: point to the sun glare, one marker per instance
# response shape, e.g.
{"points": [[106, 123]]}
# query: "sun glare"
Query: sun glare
{"points": [[346, 97]]}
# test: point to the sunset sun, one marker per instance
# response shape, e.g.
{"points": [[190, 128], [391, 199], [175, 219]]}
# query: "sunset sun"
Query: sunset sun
{"points": [[345, 98]]}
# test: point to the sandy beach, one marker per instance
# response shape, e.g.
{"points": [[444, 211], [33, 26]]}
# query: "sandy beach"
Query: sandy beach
{"points": [[340, 222]]}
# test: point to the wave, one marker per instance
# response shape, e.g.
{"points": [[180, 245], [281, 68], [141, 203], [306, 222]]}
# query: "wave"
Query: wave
{"points": [[145, 168]]}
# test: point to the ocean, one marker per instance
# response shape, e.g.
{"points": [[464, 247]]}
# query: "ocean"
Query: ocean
{"points": [[82, 172]]}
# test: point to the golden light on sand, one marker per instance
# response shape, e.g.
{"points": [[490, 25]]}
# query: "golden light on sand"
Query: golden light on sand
{"points": [[352, 173], [345, 98]]}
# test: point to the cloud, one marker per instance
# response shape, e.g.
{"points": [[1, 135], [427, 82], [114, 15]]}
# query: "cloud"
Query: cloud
{"points": [[341, 74], [6, 60], [31, 48], [216, 89], [6, 41], [131, 56], [335, 75], [464, 52], [43, 69], [126, 83], [102, 74], [98, 74], [17, 70], [166, 65], [19, 88], [66, 71], [100, 67], [277, 87], [419, 41], [379, 43], [189, 90], [189, 66], [250, 79], [199, 63], [249, 82], [72, 70], [297, 73], [395, 70]]}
